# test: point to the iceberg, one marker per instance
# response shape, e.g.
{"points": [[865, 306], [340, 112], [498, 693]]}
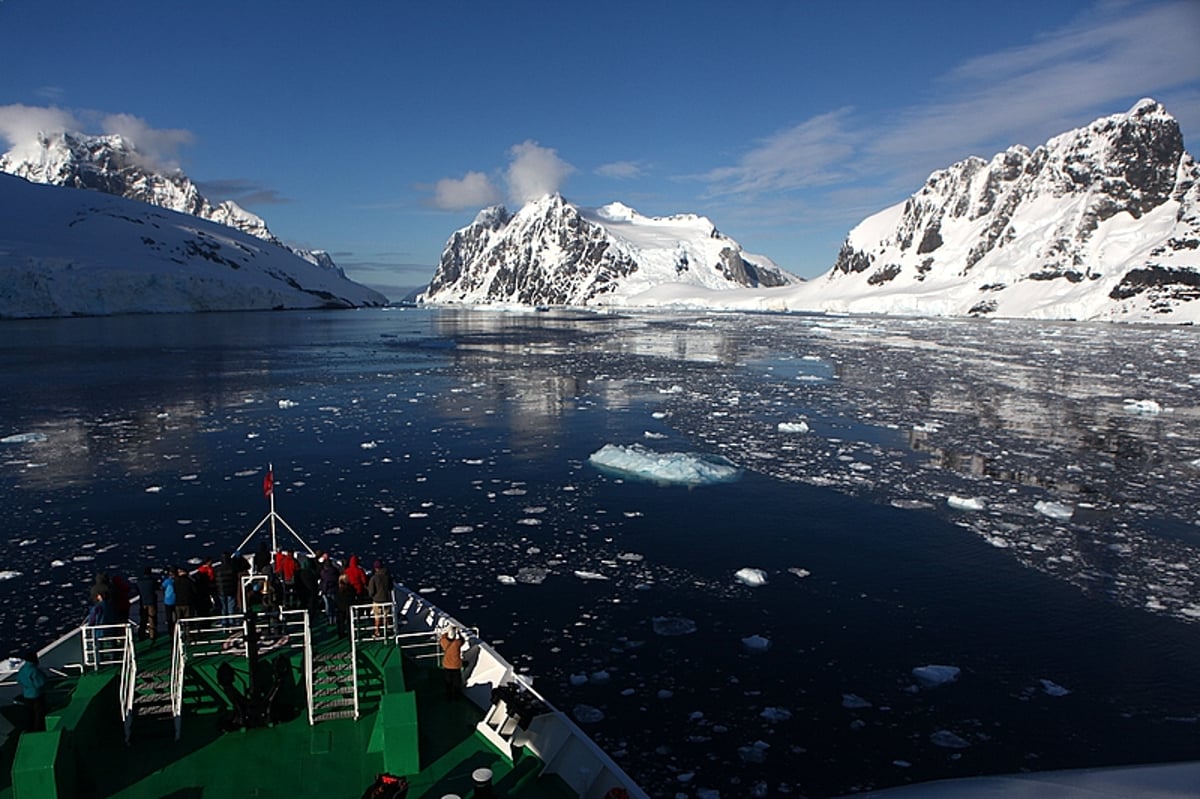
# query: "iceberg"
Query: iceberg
{"points": [[933, 676], [793, 427], [1055, 510], [667, 468], [965, 503], [751, 577], [24, 438]]}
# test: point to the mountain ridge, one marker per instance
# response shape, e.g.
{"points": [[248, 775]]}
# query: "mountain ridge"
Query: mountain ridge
{"points": [[553, 252]]}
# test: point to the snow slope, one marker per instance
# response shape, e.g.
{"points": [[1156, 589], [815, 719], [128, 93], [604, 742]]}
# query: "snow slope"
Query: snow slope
{"points": [[67, 252]]}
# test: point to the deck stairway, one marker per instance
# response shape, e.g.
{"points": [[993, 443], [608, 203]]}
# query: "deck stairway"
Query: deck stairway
{"points": [[333, 686], [152, 714]]}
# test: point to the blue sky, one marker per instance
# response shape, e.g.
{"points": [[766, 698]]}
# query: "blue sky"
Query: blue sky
{"points": [[375, 129]]}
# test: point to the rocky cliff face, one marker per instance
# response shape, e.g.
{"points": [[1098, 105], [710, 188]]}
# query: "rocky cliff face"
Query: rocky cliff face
{"points": [[112, 165], [552, 252], [1103, 219]]}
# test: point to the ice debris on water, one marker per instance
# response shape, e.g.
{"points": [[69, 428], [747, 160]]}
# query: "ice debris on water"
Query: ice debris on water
{"points": [[751, 577], [1144, 406], [933, 675], [586, 714], [965, 503], [1054, 510], [24, 438], [948, 740], [793, 427], [854, 702], [9, 574], [667, 468], [754, 753], [756, 643], [286, 403], [1053, 689], [801, 573], [776, 714], [673, 625]]}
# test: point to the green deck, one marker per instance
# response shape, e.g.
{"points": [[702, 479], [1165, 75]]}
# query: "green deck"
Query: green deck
{"points": [[84, 752]]}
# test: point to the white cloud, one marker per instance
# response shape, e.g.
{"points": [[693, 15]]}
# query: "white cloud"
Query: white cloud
{"points": [[1099, 64], [534, 171], [159, 148], [21, 124], [812, 153], [472, 190], [621, 170]]}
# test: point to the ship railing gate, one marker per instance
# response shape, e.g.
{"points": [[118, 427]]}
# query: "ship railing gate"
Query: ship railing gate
{"points": [[202, 637]]}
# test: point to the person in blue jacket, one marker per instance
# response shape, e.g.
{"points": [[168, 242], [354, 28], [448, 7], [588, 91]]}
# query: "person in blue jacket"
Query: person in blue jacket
{"points": [[33, 688], [168, 598]]}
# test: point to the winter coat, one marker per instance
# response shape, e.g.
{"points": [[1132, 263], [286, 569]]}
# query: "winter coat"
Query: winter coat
{"points": [[329, 577], [168, 585], [32, 680], [356, 576], [379, 587], [185, 592], [225, 578]]}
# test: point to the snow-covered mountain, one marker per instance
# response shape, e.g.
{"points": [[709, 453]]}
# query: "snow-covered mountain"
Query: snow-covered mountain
{"points": [[65, 252], [552, 252], [1099, 223], [113, 165]]}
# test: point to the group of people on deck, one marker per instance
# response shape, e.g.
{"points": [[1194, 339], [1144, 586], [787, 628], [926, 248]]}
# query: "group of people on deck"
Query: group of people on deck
{"points": [[286, 580]]}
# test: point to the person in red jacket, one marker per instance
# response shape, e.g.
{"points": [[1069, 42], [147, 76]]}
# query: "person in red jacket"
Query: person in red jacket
{"points": [[356, 576], [285, 572]]}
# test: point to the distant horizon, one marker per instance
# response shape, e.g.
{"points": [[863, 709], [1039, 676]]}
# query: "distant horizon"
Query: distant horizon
{"points": [[723, 110]]}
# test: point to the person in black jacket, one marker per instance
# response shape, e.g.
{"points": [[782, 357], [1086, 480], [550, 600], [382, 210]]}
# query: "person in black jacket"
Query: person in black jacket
{"points": [[185, 595], [147, 586], [225, 580]]}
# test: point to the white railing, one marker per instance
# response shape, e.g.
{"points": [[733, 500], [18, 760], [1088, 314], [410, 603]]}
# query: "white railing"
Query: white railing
{"points": [[178, 661], [129, 673], [105, 644], [308, 667], [563, 748]]}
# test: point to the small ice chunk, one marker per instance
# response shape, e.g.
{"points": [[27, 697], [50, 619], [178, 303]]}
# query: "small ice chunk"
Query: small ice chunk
{"points": [[587, 575], [801, 573], [947, 740], [1146, 406], [933, 676], [751, 577], [1055, 510], [793, 427], [754, 753], [756, 643], [854, 702], [1053, 688], [153, 489], [24, 438], [599, 677], [578, 679], [286, 403], [966, 503], [776, 714], [666, 468], [673, 625], [9, 574], [506, 579], [586, 714]]}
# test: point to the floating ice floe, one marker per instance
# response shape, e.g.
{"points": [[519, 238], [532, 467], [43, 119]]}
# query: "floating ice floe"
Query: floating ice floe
{"points": [[756, 643], [776, 714], [286, 403], [24, 438], [933, 676], [673, 625], [1148, 407], [751, 577], [506, 579], [586, 714], [669, 468], [9, 574], [801, 573], [948, 740], [754, 753], [153, 489], [577, 679], [586, 575], [1055, 510], [793, 427], [965, 503], [1053, 689], [532, 575], [854, 702]]}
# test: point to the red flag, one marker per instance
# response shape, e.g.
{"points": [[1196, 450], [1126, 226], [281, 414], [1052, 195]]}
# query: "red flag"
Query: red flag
{"points": [[268, 483]]}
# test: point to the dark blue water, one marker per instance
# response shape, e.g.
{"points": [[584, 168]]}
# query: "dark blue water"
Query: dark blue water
{"points": [[454, 446]]}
